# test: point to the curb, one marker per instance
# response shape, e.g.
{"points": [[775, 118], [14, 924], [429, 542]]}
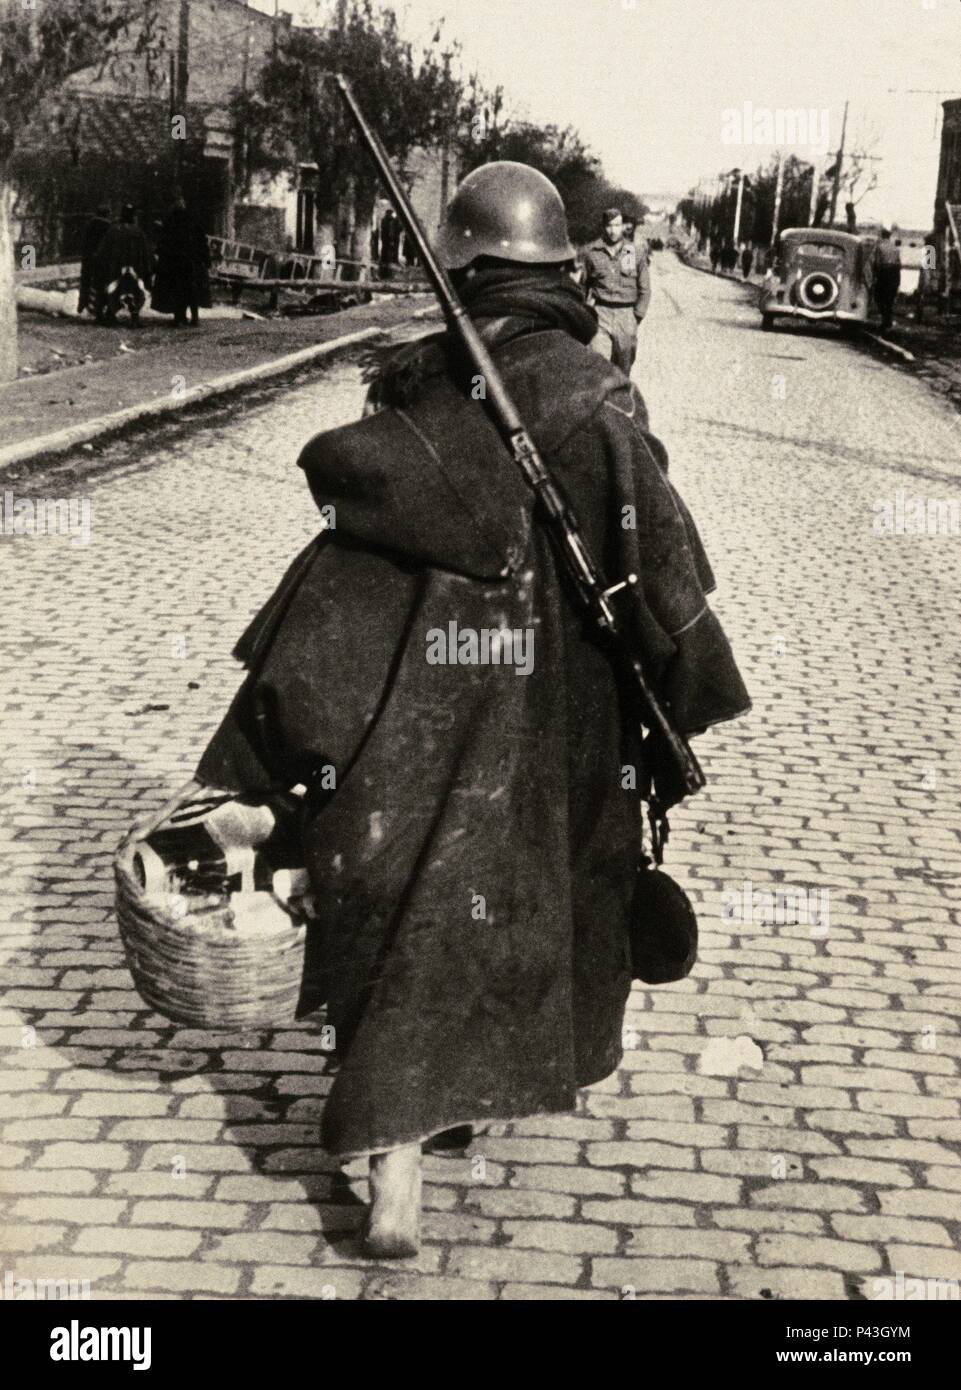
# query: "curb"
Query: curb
{"points": [[62, 440], [894, 347], [706, 270]]}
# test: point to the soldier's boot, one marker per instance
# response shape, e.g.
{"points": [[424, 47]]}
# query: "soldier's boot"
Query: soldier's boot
{"points": [[393, 1224]]}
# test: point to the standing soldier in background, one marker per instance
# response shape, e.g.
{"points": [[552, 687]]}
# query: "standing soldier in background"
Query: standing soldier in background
{"points": [[93, 234], [618, 285], [183, 267], [887, 275], [122, 269]]}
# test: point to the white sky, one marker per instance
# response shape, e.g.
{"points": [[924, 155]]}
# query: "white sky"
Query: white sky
{"points": [[647, 82]]}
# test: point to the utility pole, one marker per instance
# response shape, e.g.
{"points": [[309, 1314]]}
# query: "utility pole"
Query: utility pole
{"points": [[778, 191], [183, 55], [836, 186], [180, 76], [241, 151], [815, 189], [246, 53], [740, 203]]}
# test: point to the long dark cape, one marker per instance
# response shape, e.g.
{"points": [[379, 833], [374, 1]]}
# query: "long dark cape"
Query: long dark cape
{"points": [[123, 245], [474, 867], [183, 259]]}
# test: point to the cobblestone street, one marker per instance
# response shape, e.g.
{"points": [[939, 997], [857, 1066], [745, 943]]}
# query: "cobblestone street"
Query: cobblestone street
{"points": [[786, 1123]]}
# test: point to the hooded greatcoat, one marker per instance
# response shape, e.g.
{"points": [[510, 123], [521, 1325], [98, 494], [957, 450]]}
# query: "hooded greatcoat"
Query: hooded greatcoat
{"points": [[94, 233], [123, 265], [183, 266], [123, 246], [474, 867]]}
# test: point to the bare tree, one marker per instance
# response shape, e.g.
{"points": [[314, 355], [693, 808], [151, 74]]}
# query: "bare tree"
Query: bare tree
{"points": [[859, 177]]}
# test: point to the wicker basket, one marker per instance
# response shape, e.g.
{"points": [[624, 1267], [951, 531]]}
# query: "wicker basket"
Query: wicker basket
{"points": [[203, 962]]}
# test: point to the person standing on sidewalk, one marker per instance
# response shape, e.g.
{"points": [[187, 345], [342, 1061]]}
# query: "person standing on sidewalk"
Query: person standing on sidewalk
{"points": [[618, 285], [183, 267], [93, 234], [123, 269], [747, 260], [471, 840], [887, 275]]}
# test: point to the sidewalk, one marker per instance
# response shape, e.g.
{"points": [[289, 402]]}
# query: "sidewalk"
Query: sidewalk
{"points": [[168, 368], [697, 260]]}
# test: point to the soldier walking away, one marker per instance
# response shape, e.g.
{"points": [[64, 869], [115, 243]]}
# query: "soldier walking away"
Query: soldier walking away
{"points": [[183, 267], [715, 255], [123, 268], [471, 839], [93, 234], [747, 260], [887, 276], [618, 285]]}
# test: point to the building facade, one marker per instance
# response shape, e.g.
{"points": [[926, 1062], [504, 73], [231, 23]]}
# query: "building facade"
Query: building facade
{"points": [[948, 191], [147, 125]]}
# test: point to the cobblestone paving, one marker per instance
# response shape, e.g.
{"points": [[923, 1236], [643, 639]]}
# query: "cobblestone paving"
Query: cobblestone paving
{"points": [[786, 1122]]}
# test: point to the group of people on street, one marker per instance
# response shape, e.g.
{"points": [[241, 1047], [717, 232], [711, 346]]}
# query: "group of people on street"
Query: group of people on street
{"points": [[726, 257], [885, 268], [118, 267]]}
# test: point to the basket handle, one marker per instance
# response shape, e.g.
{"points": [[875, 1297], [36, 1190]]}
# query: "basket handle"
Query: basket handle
{"points": [[143, 828]]}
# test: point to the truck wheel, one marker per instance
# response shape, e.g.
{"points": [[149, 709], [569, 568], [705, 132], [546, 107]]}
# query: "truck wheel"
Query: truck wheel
{"points": [[767, 322]]}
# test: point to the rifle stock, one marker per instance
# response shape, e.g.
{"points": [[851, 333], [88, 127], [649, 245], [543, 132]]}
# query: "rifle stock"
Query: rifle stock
{"points": [[569, 542]]}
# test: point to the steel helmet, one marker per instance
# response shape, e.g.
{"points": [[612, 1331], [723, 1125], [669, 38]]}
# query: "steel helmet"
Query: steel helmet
{"points": [[506, 210]]}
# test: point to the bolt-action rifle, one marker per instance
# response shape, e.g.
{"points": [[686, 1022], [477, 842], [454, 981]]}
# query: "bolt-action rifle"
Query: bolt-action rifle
{"points": [[569, 542]]}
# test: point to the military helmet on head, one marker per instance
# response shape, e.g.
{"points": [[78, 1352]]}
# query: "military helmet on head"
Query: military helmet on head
{"points": [[509, 211]]}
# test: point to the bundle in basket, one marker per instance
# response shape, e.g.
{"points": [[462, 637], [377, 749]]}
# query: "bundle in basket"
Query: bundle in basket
{"points": [[217, 931]]}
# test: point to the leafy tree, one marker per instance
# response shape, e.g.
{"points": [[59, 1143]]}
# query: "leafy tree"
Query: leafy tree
{"points": [[43, 43], [294, 116], [714, 218], [488, 134]]}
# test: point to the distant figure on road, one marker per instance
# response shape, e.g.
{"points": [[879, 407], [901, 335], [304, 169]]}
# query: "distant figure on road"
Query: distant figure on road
{"points": [[183, 267], [93, 234], [388, 249], [123, 268], [729, 258], [715, 255], [747, 260], [618, 284], [634, 236], [630, 233], [887, 275]]}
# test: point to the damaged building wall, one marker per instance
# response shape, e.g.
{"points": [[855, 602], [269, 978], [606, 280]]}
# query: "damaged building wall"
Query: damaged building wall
{"points": [[147, 124]]}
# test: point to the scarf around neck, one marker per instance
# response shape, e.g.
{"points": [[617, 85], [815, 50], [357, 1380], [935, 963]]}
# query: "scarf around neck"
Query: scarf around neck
{"points": [[505, 302]]}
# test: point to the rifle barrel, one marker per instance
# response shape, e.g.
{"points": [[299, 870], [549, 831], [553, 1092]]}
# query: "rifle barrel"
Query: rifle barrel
{"points": [[569, 541]]}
